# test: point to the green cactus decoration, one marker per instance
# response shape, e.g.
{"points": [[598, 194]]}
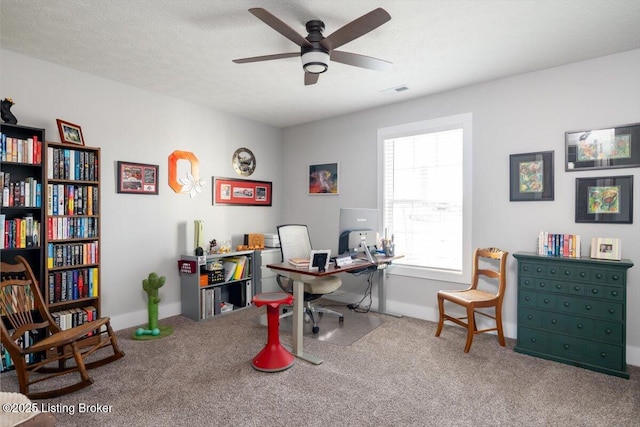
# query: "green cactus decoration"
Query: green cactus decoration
{"points": [[151, 286], [153, 331]]}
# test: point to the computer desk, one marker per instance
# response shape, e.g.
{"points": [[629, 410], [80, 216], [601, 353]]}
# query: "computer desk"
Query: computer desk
{"points": [[297, 274]]}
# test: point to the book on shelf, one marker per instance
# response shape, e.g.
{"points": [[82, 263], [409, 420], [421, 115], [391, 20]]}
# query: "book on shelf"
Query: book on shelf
{"points": [[299, 262], [556, 244]]}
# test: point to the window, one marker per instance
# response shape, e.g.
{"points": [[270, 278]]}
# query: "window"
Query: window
{"points": [[425, 196]]}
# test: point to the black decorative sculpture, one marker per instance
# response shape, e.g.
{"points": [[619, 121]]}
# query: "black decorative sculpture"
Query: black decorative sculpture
{"points": [[5, 112]]}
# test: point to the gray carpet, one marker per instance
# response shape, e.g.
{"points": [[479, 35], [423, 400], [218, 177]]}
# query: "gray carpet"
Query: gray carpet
{"points": [[399, 374]]}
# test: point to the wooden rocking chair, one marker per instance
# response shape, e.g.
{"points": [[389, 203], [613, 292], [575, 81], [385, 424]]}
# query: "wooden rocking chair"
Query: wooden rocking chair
{"points": [[23, 310]]}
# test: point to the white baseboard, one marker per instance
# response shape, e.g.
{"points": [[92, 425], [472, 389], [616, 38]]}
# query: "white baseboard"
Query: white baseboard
{"points": [[141, 317], [432, 315]]}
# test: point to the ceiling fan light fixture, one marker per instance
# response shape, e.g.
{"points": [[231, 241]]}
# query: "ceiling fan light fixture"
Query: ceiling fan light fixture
{"points": [[315, 62]]}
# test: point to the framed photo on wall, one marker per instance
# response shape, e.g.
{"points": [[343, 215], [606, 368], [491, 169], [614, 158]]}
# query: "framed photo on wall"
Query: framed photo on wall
{"points": [[531, 176], [615, 147], [233, 191], [323, 179], [137, 178], [605, 199]]}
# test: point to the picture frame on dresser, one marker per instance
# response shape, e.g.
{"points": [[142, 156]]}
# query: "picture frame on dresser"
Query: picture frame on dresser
{"points": [[608, 148], [607, 199], [531, 176], [70, 133]]}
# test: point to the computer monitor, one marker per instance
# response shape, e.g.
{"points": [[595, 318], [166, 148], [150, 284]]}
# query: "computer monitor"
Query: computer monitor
{"points": [[358, 225]]}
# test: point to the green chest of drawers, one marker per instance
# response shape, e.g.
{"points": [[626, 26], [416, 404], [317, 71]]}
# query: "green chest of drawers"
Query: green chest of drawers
{"points": [[573, 311]]}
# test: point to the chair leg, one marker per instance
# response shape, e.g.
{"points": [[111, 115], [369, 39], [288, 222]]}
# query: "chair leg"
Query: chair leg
{"points": [[441, 319], [499, 326], [470, 328]]}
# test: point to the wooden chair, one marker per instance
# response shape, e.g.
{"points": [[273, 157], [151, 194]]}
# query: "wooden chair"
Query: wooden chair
{"points": [[23, 310], [473, 298]]}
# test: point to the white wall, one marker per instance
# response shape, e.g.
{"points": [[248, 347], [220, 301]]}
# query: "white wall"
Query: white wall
{"points": [[521, 114], [144, 233]]}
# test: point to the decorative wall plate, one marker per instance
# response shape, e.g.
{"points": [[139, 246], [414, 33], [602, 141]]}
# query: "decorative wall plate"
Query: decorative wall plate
{"points": [[244, 161]]}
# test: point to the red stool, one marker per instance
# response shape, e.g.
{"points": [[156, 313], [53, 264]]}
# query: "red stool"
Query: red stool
{"points": [[273, 357]]}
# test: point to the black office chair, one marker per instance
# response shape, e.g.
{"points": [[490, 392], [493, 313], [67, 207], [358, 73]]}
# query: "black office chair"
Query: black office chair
{"points": [[296, 243]]}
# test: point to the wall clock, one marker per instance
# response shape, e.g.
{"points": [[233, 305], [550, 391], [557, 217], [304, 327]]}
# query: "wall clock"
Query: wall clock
{"points": [[244, 161]]}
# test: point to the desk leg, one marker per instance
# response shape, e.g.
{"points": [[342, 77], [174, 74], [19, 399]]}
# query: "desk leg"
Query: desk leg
{"points": [[298, 324], [382, 293]]}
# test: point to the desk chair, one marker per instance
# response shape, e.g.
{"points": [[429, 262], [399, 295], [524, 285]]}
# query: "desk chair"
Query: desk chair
{"points": [[296, 243], [472, 298]]}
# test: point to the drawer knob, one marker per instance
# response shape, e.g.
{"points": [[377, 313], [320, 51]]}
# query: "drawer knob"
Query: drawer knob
{"points": [[614, 293], [566, 346], [567, 273], [527, 298], [553, 271], [558, 286], [576, 288], [594, 291], [588, 306], [608, 331], [583, 274], [529, 317], [615, 277], [566, 304], [533, 339], [525, 268], [603, 354], [526, 282], [546, 300], [611, 311], [579, 326], [598, 275], [542, 284], [539, 270], [554, 321]]}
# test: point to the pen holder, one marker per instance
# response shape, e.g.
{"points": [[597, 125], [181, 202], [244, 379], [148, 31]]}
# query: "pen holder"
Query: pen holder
{"points": [[388, 247]]}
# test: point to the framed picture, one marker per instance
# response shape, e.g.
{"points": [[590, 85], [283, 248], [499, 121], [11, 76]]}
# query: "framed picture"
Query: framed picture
{"points": [[531, 176], [70, 133], [232, 191], [137, 178], [323, 179], [605, 199], [605, 248], [615, 147]]}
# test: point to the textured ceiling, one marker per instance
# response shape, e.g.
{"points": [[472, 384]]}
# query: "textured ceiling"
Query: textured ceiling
{"points": [[184, 48]]}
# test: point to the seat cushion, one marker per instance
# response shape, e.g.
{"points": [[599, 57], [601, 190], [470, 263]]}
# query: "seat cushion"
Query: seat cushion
{"points": [[322, 285]]}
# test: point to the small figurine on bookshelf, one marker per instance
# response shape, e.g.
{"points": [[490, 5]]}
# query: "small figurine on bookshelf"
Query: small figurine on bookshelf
{"points": [[5, 112], [153, 330]]}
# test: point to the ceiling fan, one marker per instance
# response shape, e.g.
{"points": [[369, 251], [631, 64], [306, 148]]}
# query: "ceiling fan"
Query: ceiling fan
{"points": [[316, 49]]}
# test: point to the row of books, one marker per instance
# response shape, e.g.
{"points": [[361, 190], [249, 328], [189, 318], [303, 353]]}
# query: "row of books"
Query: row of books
{"points": [[71, 285], [67, 319], [554, 244], [236, 268], [71, 227], [25, 193], [19, 233], [20, 150], [70, 164], [70, 199], [6, 363], [70, 254]]}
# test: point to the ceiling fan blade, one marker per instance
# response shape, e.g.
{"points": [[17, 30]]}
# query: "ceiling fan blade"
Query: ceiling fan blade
{"points": [[310, 79], [356, 28], [279, 26], [360, 61], [266, 57]]}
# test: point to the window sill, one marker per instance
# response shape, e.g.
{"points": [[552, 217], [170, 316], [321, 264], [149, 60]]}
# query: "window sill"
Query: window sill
{"points": [[428, 273]]}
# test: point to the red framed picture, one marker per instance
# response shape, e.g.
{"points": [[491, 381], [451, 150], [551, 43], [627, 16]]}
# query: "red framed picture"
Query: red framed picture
{"points": [[231, 191]]}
